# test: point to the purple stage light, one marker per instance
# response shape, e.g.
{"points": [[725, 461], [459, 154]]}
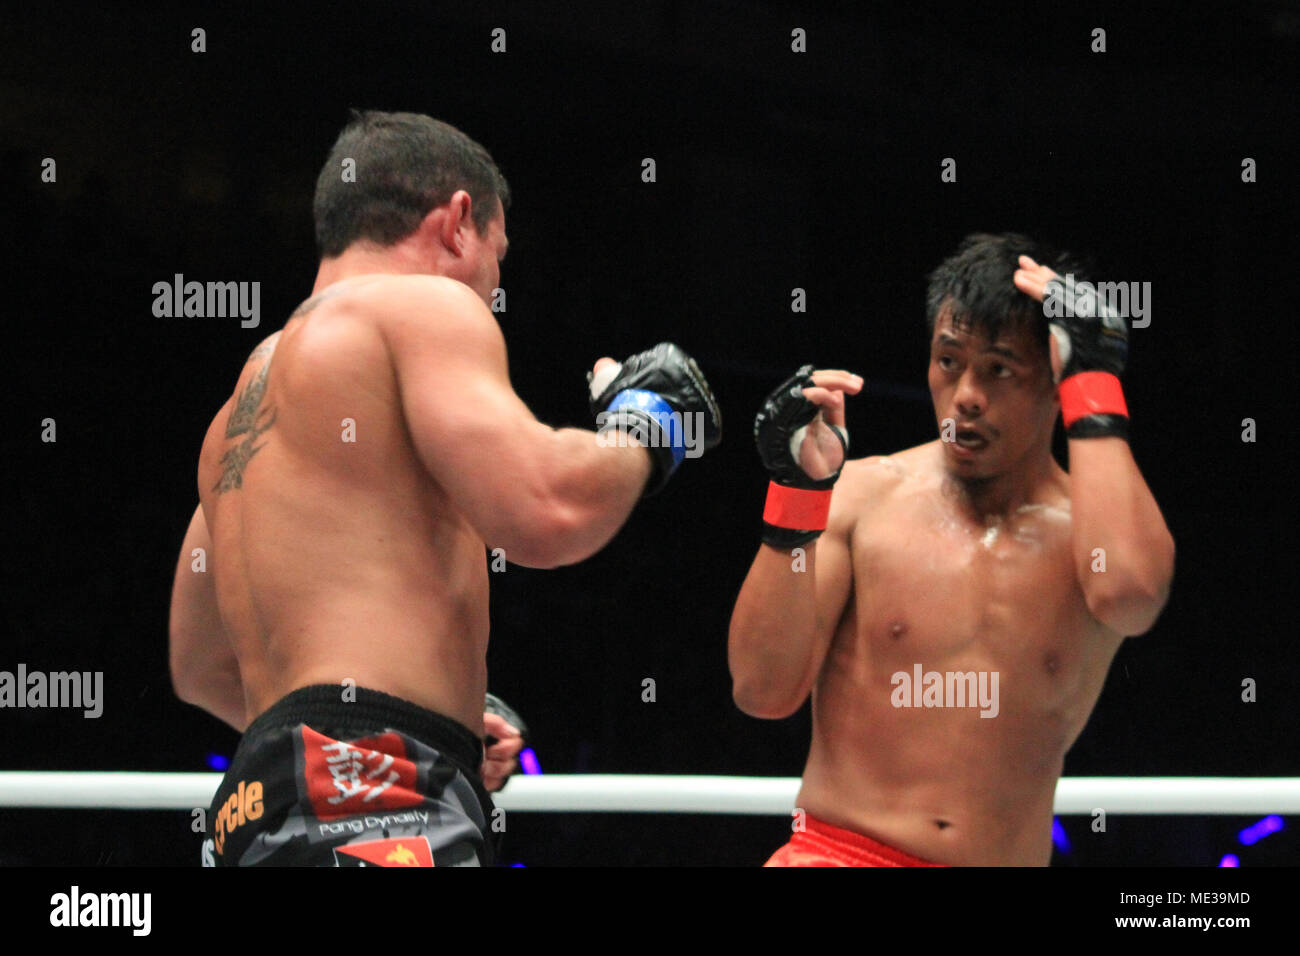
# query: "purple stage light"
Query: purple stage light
{"points": [[528, 762]]}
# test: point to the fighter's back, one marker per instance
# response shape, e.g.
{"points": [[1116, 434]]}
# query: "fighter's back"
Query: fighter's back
{"points": [[336, 554]]}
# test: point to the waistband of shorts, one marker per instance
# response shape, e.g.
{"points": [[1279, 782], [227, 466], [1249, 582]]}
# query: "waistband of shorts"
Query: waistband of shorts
{"points": [[862, 843], [322, 707]]}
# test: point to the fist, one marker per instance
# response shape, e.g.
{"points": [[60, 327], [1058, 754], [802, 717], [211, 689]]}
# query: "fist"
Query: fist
{"points": [[661, 397], [501, 759]]}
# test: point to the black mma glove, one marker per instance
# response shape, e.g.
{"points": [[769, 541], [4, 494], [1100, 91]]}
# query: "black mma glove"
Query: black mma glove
{"points": [[797, 505], [659, 399]]}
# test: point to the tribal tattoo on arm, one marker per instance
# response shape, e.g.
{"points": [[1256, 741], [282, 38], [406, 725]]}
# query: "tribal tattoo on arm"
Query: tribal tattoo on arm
{"points": [[248, 421]]}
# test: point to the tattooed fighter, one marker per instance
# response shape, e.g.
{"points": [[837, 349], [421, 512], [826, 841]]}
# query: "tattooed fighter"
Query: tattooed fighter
{"points": [[370, 451]]}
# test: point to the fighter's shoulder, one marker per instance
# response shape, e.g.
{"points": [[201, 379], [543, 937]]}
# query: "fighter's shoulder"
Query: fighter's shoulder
{"points": [[264, 349], [427, 307], [882, 473], [865, 485], [391, 295], [401, 296]]}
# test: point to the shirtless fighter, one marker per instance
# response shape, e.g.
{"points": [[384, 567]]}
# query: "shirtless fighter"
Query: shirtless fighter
{"points": [[372, 449], [955, 612]]}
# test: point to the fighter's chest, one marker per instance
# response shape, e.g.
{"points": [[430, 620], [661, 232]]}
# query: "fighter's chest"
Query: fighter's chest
{"points": [[941, 586]]}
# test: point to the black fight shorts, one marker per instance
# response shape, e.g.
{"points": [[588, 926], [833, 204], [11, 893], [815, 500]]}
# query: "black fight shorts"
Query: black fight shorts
{"points": [[371, 781]]}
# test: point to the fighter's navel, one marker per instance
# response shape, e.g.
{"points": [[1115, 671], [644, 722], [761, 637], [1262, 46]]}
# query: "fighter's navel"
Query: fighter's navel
{"points": [[897, 629], [1051, 662]]}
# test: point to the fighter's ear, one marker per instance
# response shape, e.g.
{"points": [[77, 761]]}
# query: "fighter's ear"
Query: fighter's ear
{"points": [[462, 208], [445, 221]]}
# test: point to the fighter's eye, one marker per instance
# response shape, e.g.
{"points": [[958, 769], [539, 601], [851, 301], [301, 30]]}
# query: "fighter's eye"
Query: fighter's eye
{"points": [[947, 362]]}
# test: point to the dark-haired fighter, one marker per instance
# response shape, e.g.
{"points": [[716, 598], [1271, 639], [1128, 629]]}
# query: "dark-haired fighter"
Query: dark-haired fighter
{"points": [[956, 605], [370, 451]]}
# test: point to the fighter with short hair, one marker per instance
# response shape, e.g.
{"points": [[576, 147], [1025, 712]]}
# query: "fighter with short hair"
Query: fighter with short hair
{"points": [[955, 606], [370, 453]]}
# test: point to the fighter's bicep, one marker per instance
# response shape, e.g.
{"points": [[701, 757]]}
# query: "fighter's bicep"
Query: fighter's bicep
{"points": [[472, 433], [451, 375]]}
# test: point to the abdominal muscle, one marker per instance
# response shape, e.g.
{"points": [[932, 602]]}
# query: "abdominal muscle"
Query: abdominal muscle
{"points": [[943, 783], [932, 784]]}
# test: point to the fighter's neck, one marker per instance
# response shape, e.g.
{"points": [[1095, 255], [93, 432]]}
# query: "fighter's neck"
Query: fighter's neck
{"points": [[1003, 495], [359, 261]]}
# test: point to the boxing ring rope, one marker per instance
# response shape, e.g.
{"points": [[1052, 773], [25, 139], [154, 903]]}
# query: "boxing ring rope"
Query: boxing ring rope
{"points": [[670, 793]]}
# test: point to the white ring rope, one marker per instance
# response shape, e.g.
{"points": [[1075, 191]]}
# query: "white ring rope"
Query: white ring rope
{"points": [[637, 793]]}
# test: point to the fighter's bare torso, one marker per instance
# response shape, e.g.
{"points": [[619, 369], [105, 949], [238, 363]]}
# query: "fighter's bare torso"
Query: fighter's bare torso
{"points": [[934, 587], [335, 554]]}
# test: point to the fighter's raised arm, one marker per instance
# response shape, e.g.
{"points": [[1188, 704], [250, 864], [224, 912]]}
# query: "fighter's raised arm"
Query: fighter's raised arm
{"points": [[546, 496], [799, 583], [1123, 551]]}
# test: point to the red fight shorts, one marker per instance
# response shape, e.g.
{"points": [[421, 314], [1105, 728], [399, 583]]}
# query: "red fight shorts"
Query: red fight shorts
{"points": [[824, 845]]}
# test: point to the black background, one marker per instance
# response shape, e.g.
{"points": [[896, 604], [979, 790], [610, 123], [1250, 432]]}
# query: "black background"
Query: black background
{"points": [[776, 170]]}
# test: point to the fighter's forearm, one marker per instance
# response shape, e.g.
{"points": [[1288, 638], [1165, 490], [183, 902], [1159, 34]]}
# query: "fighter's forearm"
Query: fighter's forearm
{"points": [[772, 641], [590, 488], [204, 669], [1123, 551]]}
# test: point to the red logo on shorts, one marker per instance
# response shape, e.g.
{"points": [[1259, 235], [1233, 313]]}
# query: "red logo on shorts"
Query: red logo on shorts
{"points": [[357, 776], [404, 851]]}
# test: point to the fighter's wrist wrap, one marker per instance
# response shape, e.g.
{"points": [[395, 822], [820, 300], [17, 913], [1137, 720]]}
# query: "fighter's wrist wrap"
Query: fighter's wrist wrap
{"points": [[794, 516], [1092, 406], [638, 414]]}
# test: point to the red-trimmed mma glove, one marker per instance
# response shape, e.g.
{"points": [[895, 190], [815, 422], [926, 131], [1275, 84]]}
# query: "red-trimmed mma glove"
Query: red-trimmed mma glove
{"points": [[1092, 343], [797, 505], [659, 399]]}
